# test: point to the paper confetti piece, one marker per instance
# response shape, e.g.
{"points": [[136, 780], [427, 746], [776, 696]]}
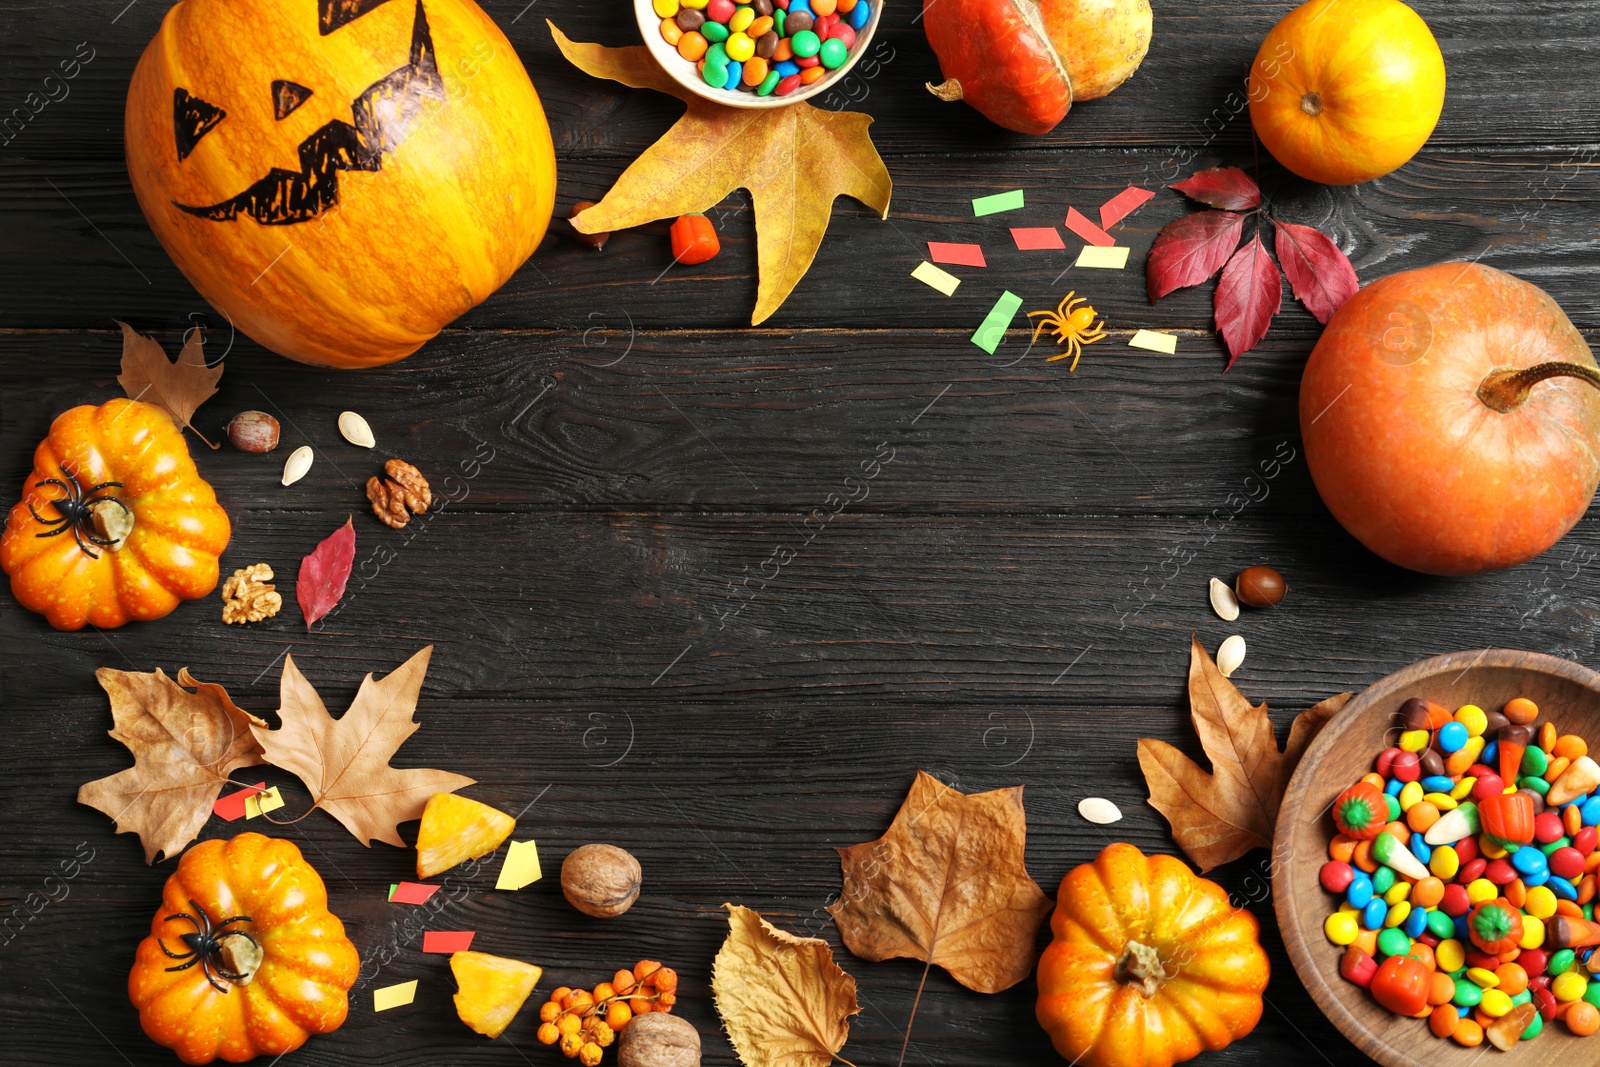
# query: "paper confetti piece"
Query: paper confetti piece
{"points": [[1122, 205], [232, 806], [394, 996], [960, 255], [1088, 230], [260, 803], [521, 866], [993, 329], [1032, 238], [1154, 341], [941, 280], [992, 205], [1111, 258], [411, 893], [447, 941]]}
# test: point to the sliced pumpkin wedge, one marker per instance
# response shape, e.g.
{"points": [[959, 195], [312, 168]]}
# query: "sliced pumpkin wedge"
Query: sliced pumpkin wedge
{"points": [[456, 829], [492, 989]]}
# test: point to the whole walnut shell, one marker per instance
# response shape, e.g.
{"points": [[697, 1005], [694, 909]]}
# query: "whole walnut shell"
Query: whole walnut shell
{"points": [[658, 1040], [600, 880]]}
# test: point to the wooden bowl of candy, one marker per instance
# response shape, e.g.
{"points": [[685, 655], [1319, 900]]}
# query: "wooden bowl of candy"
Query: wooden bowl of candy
{"points": [[1430, 918], [761, 53]]}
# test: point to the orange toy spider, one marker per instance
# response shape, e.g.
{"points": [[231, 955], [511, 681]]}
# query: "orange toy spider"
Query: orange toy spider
{"points": [[1074, 328]]}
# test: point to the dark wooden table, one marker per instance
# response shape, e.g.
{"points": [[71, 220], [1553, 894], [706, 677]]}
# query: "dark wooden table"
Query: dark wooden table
{"points": [[1012, 603]]}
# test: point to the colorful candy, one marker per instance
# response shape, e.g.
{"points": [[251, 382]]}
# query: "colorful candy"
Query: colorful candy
{"points": [[772, 48], [1467, 866]]}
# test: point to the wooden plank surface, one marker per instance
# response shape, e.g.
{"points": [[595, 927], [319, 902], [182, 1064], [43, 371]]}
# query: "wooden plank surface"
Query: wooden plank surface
{"points": [[619, 653]]}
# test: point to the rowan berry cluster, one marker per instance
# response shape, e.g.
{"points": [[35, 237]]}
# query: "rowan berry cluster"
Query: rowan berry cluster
{"points": [[584, 1022]]}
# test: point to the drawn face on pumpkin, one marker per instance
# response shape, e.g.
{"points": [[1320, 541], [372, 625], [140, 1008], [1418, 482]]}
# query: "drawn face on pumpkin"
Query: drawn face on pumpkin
{"points": [[384, 114]]}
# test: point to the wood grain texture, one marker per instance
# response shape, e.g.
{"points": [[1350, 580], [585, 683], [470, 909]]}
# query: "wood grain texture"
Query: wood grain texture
{"points": [[626, 651]]}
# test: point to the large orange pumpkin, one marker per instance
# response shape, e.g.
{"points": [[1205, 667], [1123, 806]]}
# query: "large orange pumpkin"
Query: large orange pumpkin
{"points": [[1150, 965], [244, 958], [341, 178], [1344, 91], [115, 522]]}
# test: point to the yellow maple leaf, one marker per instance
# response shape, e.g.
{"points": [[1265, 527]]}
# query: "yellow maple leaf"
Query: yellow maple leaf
{"points": [[794, 161]]}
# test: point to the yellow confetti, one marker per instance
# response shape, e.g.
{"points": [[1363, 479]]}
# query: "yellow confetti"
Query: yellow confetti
{"points": [[394, 996], [1154, 341], [1114, 257], [521, 866], [941, 280]]}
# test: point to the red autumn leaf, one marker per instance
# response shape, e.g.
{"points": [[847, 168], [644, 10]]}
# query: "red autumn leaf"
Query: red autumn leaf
{"points": [[1226, 187], [1248, 295], [323, 574], [1318, 271], [1190, 250]]}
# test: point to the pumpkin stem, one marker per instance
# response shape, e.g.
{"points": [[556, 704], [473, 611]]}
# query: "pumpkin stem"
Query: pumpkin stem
{"points": [[1140, 966], [1505, 390], [1311, 104], [948, 90], [242, 956], [112, 521]]}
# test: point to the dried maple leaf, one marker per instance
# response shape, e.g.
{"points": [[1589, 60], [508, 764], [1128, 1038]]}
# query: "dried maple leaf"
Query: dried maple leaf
{"points": [[184, 747], [177, 388], [345, 761], [946, 885], [1220, 816], [782, 998], [794, 161], [323, 575]]}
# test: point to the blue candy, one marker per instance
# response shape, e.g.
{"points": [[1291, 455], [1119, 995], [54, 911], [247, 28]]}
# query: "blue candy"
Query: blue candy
{"points": [[1563, 888], [800, 5], [786, 67], [1374, 913], [1359, 891], [1531, 880], [1416, 923], [1591, 811], [735, 72], [1463, 928], [1420, 848], [859, 15], [1394, 785], [1452, 736], [1490, 756], [1529, 861], [1437, 783]]}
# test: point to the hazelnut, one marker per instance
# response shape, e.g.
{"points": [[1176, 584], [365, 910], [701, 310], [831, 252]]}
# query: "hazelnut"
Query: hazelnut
{"points": [[600, 880], [1259, 587], [253, 431], [596, 241], [658, 1040]]}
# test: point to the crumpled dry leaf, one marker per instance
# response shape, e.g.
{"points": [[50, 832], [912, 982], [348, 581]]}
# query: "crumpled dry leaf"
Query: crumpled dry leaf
{"points": [[178, 388], [345, 761], [1220, 816], [782, 998], [947, 884], [794, 161], [184, 747]]}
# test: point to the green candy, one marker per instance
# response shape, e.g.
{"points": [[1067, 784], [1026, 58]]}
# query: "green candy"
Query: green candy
{"points": [[1534, 761], [714, 32], [805, 44], [1521, 998], [1382, 881], [1441, 925], [1535, 1028], [1394, 807], [1393, 942], [1467, 994], [1560, 962], [1560, 842], [1592, 994], [715, 74], [833, 53], [1538, 785], [769, 83], [1588, 911]]}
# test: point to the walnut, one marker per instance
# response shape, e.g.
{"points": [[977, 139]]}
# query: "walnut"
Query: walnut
{"points": [[247, 595], [403, 493], [600, 880], [658, 1040]]}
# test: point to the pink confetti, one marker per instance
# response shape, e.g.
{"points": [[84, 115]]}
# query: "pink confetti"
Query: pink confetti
{"points": [[1033, 238], [962, 255], [447, 941], [231, 807], [1087, 230], [1122, 205]]}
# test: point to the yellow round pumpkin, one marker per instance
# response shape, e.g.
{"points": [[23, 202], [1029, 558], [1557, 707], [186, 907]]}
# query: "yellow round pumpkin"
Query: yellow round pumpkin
{"points": [[341, 178]]}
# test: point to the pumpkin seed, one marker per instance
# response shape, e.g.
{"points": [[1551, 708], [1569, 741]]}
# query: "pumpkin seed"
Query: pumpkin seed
{"points": [[297, 465], [1099, 810], [1230, 654], [355, 429], [1223, 602]]}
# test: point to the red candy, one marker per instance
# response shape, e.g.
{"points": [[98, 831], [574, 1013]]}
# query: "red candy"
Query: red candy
{"points": [[1455, 901], [1488, 785], [842, 32], [1567, 863], [1467, 849], [720, 10], [821, 26], [806, 61], [1428, 939], [1500, 872], [1472, 870], [787, 85], [1547, 827], [1386, 761], [1586, 840], [1534, 961], [1407, 767], [1546, 1003], [1487, 960], [1336, 876]]}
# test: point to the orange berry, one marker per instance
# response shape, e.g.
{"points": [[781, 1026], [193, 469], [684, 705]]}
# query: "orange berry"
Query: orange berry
{"points": [[560, 993], [548, 1034], [604, 1035], [617, 1015], [569, 1024], [666, 1001], [571, 1044], [622, 982], [579, 999], [549, 1012], [589, 1055], [645, 968], [603, 992], [640, 1006], [666, 980]]}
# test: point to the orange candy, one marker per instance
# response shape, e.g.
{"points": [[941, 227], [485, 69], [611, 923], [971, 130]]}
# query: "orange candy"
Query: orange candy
{"points": [[1468, 1034], [692, 46], [786, 51], [1427, 893], [1422, 815], [1457, 762], [1420, 951], [1513, 979], [1362, 857], [846, 6], [1582, 1018], [824, 8], [1375, 779], [1441, 987], [1443, 1020], [1572, 819], [1586, 888], [1521, 711], [1547, 736], [1342, 848], [1516, 893], [1569, 909], [1571, 746], [813, 74], [1367, 941], [755, 71], [759, 28], [1555, 768], [671, 32]]}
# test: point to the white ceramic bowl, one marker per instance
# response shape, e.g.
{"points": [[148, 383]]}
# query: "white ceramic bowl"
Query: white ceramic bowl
{"points": [[684, 73]]}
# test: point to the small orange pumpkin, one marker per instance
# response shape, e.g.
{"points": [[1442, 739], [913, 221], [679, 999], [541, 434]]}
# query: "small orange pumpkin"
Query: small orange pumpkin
{"points": [[1150, 964], [341, 178], [243, 958], [115, 522]]}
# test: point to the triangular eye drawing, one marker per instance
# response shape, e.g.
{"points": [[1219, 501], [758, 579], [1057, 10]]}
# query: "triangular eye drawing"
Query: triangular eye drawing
{"points": [[333, 14], [287, 96], [192, 119]]}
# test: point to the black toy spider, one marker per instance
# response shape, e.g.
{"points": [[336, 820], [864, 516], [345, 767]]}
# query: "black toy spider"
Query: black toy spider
{"points": [[205, 945], [77, 512]]}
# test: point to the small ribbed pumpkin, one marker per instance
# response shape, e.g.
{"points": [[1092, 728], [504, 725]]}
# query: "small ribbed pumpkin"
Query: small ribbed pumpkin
{"points": [[341, 178]]}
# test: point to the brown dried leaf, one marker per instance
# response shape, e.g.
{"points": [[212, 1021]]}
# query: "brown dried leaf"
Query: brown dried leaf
{"points": [[946, 885], [184, 747], [782, 998], [177, 388], [345, 761], [794, 161], [1220, 816]]}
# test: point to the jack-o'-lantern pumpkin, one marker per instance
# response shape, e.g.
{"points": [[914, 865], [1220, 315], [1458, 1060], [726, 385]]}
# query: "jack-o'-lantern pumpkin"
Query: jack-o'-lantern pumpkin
{"points": [[341, 178]]}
